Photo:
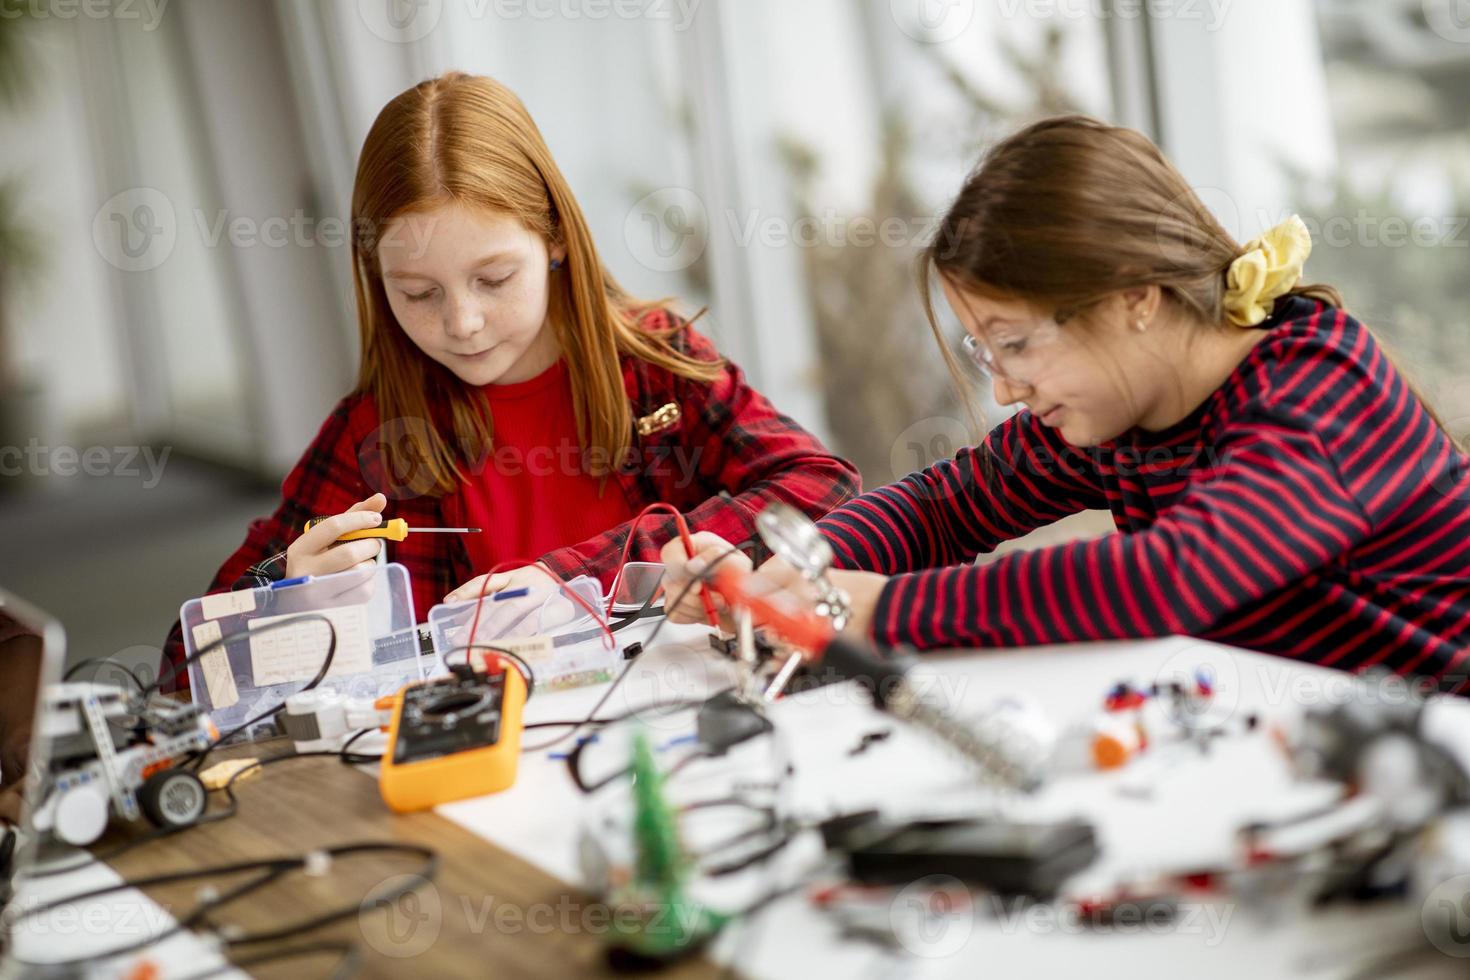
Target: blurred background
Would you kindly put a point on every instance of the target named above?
(175, 311)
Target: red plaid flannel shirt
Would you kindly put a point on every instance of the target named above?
(728, 455)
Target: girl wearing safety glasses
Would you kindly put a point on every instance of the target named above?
(1276, 482)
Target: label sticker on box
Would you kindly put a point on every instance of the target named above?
(227, 603)
(219, 679)
(296, 653)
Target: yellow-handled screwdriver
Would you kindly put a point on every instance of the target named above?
(395, 530)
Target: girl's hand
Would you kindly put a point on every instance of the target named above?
(862, 588)
(680, 569)
(315, 552)
(527, 576)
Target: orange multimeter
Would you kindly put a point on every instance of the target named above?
(453, 738)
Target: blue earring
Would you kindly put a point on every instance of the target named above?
(555, 264)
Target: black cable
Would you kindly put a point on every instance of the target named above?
(202, 754)
(671, 706)
(360, 758)
(271, 869)
(210, 647)
(617, 681)
(137, 681)
(231, 808)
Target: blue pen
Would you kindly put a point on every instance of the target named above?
(288, 582)
(509, 594)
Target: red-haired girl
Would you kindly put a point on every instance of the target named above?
(509, 383)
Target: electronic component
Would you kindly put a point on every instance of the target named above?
(1021, 859)
(1009, 744)
(118, 754)
(453, 738)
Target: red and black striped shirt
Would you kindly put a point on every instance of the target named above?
(1311, 507)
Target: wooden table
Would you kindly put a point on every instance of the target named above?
(487, 914)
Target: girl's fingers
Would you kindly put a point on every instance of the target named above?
(349, 554)
(374, 503)
(322, 536)
(471, 589)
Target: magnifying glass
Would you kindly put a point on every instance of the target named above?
(794, 537)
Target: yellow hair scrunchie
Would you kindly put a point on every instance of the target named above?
(1270, 268)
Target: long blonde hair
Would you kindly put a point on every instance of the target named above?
(466, 139)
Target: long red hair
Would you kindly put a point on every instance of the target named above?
(467, 140)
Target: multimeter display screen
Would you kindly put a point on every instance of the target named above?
(447, 717)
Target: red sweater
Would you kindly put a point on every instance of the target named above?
(533, 494)
(720, 459)
(1310, 508)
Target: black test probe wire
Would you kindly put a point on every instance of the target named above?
(350, 956)
(343, 754)
(270, 870)
(572, 727)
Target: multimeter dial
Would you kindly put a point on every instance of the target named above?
(448, 717)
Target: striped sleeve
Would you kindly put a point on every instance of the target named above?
(1273, 510)
(1022, 477)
